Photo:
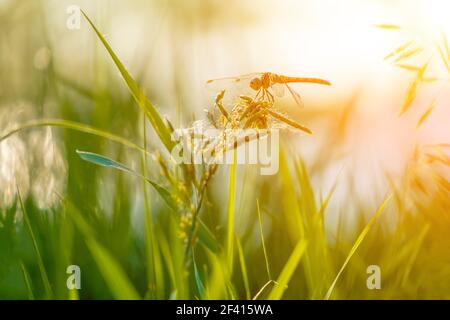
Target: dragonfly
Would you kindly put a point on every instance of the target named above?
(268, 85)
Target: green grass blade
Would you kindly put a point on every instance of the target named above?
(66, 124)
(217, 284)
(206, 236)
(198, 279)
(137, 93)
(288, 270)
(150, 248)
(103, 161)
(43, 272)
(115, 277)
(262, 240)
(243, 269)
(113, 273)
(357, 243)
(107, 162)
(230, 212)
(26, 277)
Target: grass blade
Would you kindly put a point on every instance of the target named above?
(288, 271)
(26, 277)
(408, 67)
(113, 273)
(263, 288)
(198, 279)
(206, 236)
(150, 111)
(115, 277)
(262, 240)
(243, 269)
(66, 124)
(412, 91)
(150, 247)
(43, 272)
(399, 50)
(388, 26)
(230, 211)
(107, 162)
(407, 54)
(444, 52)
(410, 96)
(426, 114)
(357, 243)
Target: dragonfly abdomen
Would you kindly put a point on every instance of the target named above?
(285, 79)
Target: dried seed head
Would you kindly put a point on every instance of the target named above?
(246, 98)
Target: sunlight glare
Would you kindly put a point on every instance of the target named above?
(437, 13)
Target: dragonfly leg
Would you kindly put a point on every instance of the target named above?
(258, 93)
(264, 96)
(270, 96)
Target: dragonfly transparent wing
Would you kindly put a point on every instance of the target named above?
(278, 89)
(295, 95)
(233, 86)
(234, 79)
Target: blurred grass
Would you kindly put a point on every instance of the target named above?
(127, 241)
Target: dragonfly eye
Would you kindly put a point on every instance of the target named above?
(255, 84)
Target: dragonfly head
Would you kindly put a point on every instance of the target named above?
(255, 84)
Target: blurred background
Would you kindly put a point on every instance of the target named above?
(362, 149)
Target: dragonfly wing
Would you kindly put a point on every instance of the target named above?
(278, 89)
(295, 95)
(236, 78)
(233, 86)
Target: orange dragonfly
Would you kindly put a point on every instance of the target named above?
(268, 84)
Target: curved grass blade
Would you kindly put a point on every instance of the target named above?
(263, 288)
(150, 111)
(357, 243)
(66, 124)
(107, 162)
